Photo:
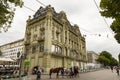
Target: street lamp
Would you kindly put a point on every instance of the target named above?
(20, 57)
(20, 63)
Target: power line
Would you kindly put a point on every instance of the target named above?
(81, 28)
(44, 5)
(85, 30)
(96, 5)
(32, 9)
(90, 33)
(41, 3)
(103, 17)
(29, 8)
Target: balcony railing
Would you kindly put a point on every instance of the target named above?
(57, 31)
(42, 28)
(41, 38)
(28, 33)
(27, 42)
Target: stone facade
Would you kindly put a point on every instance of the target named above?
(92, 60)
(51, 41)
(92, 56)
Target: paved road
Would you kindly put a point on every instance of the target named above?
(105, 74)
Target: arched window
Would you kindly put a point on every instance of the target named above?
(59, 50)
(56, 49)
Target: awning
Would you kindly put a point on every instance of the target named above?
(6, 60)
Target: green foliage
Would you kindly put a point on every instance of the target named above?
(110, 9)
(106, 54)
(113, 62)
(117, 36)
(103, 60)
(107, 59)
(7, 9)
(119, 57)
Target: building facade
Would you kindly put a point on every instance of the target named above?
(92, 60)
(10, 50)
(92, 57)
(51, 41)
(10, 53)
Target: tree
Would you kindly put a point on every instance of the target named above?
(113, 62)
(119, 57)
(103, 60)
(106, 54)
(110, 9)
(7, 10)
(107, 59)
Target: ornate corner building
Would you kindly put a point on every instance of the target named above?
(51, 41)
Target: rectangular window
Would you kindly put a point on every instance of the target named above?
(41, 46)
(56, 48)
(27, 50)
(35, 28)
(35, 37)
(52, 34)
(34, 49)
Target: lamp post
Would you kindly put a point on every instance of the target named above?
(21, 58)
(20, 63)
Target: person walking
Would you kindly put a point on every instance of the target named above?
(117, 70)
(62, 72)
(111, 67)
(38, 75)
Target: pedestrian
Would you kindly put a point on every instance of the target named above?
(117, 70)
(38, 75)
(62, 72)
(111, 67)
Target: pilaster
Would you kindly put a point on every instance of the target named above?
(47, 62)
(48, 30)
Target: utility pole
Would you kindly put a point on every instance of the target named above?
(20, 58)
(20, 63)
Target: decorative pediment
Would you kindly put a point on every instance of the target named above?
(40, 12)
(63, 15)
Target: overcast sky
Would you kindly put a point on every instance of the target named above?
(84, 13)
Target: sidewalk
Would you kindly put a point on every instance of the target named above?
(104, 74)
(43, 77)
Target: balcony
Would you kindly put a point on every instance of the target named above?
(57, 31)
(28, 33)
(27, 42)
(57, 54)
(42, 28)
(41, 38)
